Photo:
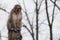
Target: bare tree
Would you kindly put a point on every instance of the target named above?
(37, 14)
(37, 9)
(50, 24)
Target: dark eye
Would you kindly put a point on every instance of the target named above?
(19, 8)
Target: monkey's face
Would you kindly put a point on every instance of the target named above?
(17, 9)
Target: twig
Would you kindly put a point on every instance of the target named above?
(40, 4)
(27, 17)
(34, 1)
(55, 4)
(27, 29)
(4, 10)
(53, 12)
(28, 20)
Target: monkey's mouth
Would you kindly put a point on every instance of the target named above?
(19, 10)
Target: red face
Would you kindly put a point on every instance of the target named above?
(18, 10)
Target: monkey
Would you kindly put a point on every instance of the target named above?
(15, 18)
(14, 22)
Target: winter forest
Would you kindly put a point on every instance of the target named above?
(40, 19)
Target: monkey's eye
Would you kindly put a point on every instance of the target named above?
(19, 8)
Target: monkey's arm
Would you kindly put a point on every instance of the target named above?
(19, 23)
(8, 25)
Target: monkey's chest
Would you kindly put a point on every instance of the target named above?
(16, 18)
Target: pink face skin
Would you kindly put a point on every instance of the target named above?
(19, 10)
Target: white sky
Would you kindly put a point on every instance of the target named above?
(43, 29)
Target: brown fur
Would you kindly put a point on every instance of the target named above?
(14, 19)
(14, 22)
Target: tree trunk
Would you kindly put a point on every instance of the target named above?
(51, 35)
(37, 22)
(14, 35)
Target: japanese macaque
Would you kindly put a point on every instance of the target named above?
(14, 23)
(15, 18)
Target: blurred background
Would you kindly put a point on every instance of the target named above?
(41, 19)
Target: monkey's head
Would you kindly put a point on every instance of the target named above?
(17, 9)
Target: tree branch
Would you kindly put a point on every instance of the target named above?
(40, 5)
(53, 12)
(55, 4)
(4, 10)
(34, 1)
(37, 19)
(47, 12)
(28, 20)
(27, 16)
(27, 29)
